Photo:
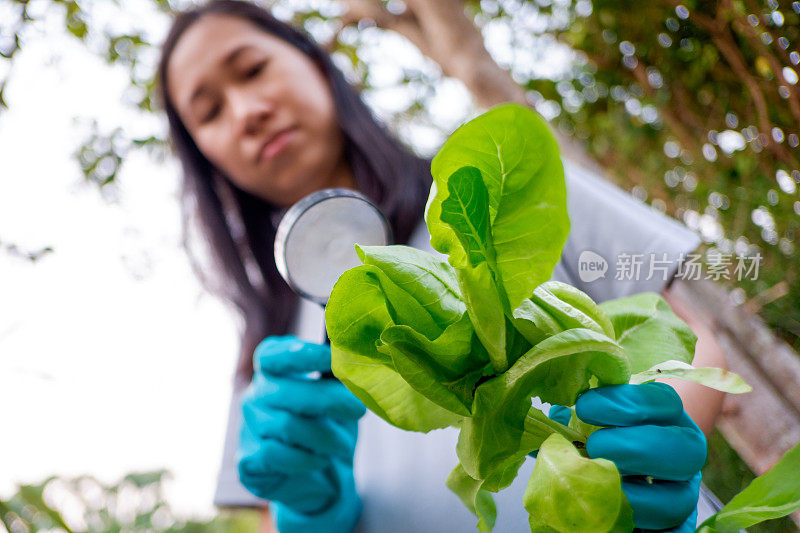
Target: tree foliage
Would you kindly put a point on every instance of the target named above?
(693, 106)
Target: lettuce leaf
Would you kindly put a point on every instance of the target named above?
(556, 306)
(715, 378)
(649, 331)
(384, 392)
(557, 370)
(492, 177)
(365, 303)
(474, 497)
(569, 493)
(518, 159)
(428, 279)
(445, 370)
(771, 495)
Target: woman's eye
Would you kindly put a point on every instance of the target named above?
(211, 114)
(255, 70)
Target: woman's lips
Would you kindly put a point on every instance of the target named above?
(277, 144)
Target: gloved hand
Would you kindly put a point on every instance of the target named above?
(648, 436)
(298, 437)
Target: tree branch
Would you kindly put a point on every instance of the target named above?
(759, 44)
(720, 34)
(443, 32)
(743, 28)
(405, 24)
(673, 122)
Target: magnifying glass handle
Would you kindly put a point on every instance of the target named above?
(328, 374)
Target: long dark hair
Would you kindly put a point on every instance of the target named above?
(239, 228)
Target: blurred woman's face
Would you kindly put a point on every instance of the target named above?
(258, 108)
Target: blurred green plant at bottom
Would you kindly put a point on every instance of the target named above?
(137, 503)
(84, 504)
(726, 475)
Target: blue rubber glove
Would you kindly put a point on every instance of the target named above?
(298, 437)
(648, 435)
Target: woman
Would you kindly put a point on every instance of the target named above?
(260, 117)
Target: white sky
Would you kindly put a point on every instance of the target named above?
(100, 373)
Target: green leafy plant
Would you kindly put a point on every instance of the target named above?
(772, 495)
(468, 342)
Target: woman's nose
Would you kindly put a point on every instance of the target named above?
(250, 112)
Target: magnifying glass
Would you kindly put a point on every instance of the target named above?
(316, 238)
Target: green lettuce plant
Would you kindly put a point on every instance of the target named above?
(468, 342)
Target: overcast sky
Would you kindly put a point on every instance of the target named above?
(111, 360)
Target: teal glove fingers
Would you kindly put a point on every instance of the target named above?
(273, 470)
(298, 438)
(560, 414)
(305, 397)
(664, 452)
(267, 455)
(341, 517)
(662, 504)
(320, 436)
(630, 405)
(688, 526)
(279, 356)
(648, 436)
(660, 439)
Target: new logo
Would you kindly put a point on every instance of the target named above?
(591, 266)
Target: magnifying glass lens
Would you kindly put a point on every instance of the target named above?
(321, 246)
(315, 241)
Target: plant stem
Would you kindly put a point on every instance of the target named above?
(537, 423)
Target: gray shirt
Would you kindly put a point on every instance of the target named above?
(400, 475)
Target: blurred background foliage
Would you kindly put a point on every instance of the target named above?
(84, 504)
(726, 475)
(693, 106)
